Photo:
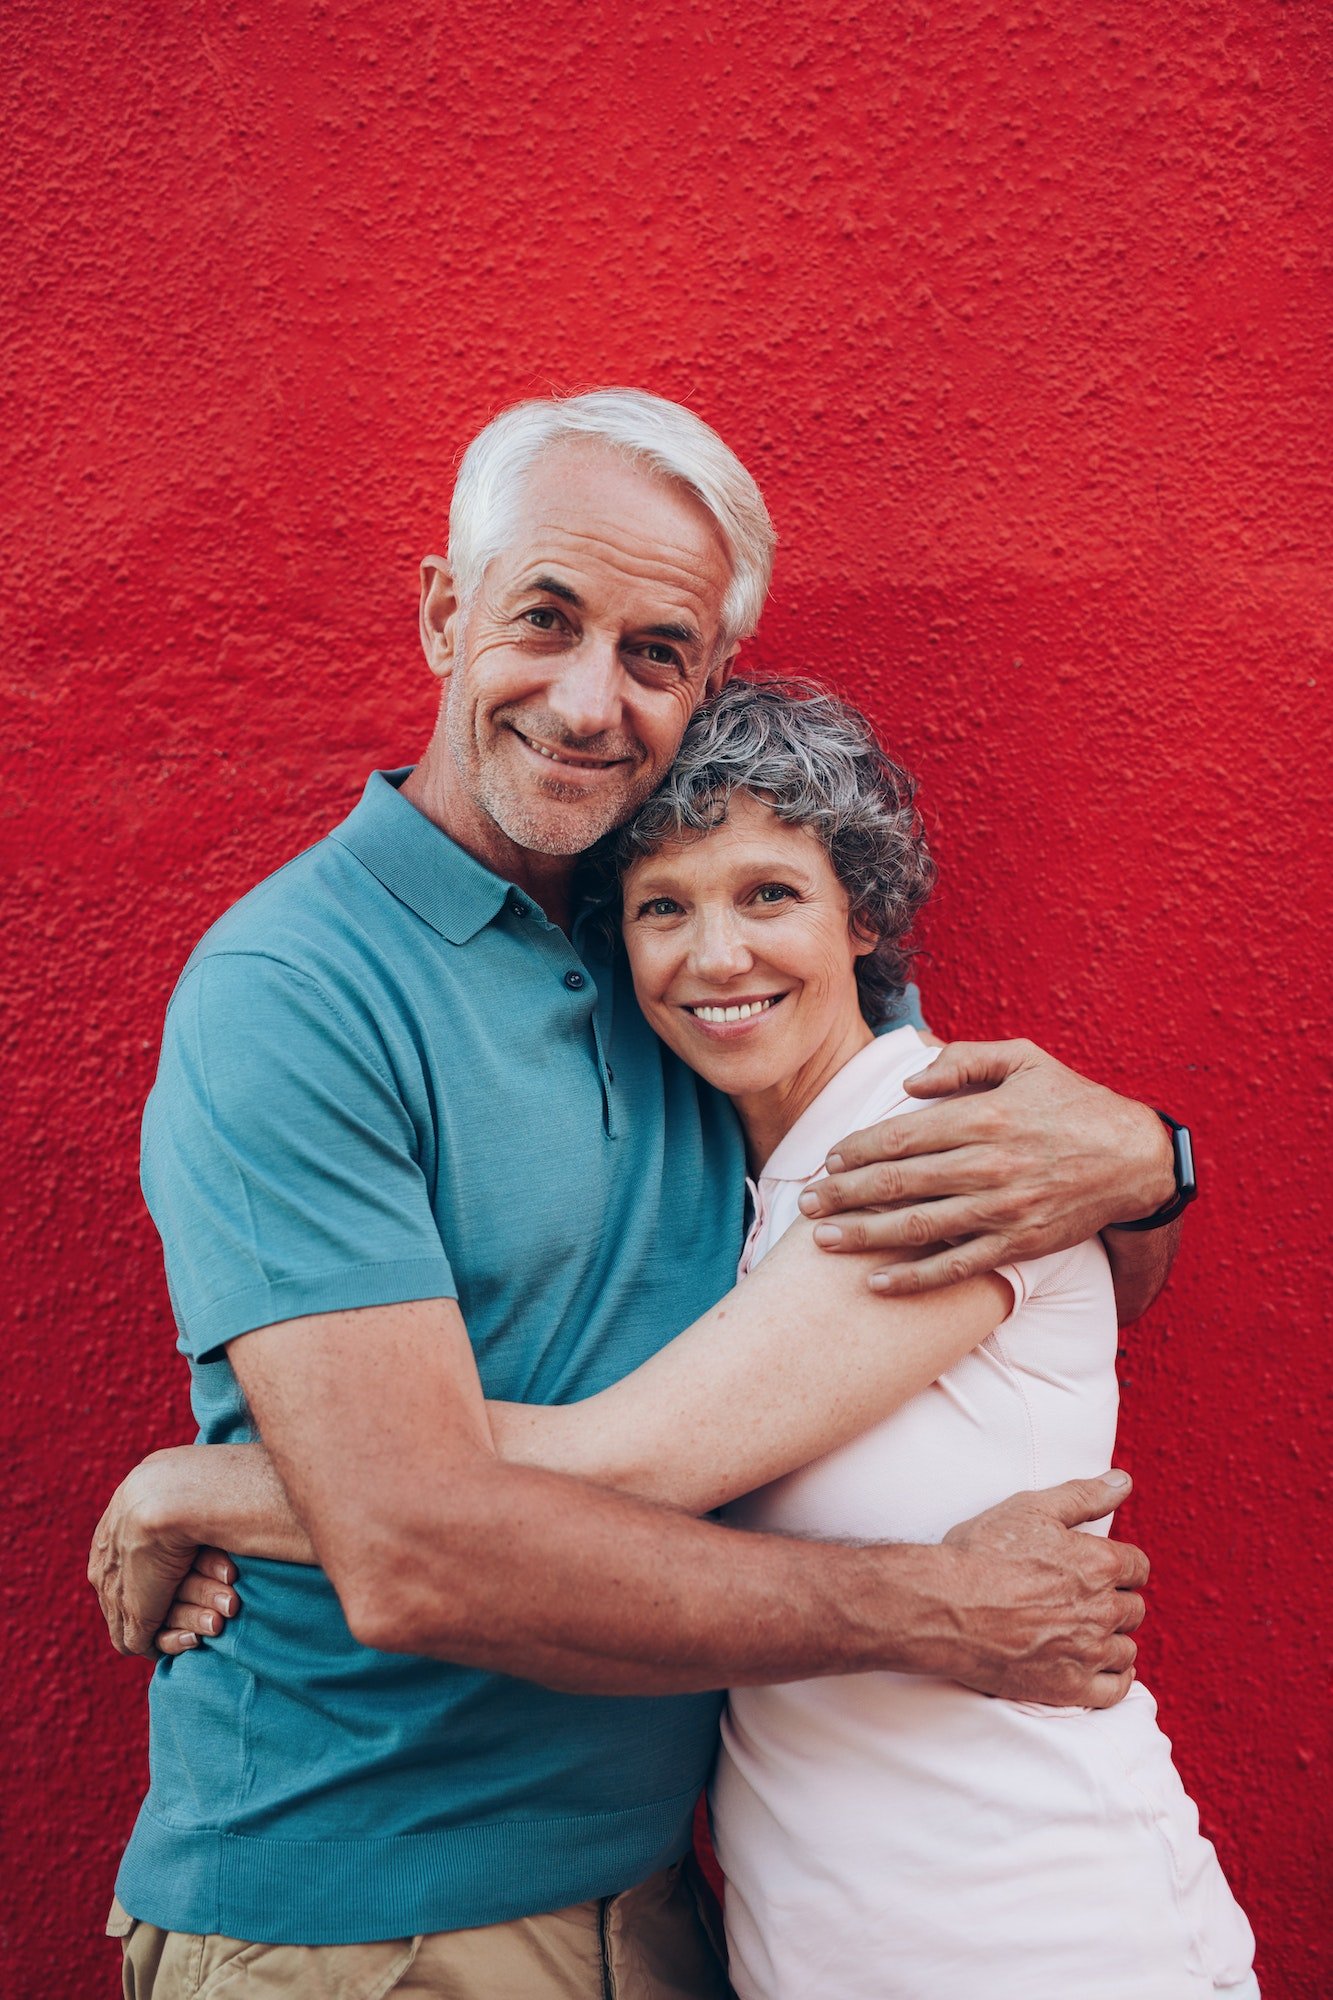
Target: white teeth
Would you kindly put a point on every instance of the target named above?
(555, 758)
(720, 1014)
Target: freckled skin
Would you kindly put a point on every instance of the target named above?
(749, 912)
(608, 682)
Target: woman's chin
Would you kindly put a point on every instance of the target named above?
(729, 1067)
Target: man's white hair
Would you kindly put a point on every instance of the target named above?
(664, 437)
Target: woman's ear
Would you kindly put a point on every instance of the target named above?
(863, 941)
(439, 616)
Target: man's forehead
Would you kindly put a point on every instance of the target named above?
(585, 520)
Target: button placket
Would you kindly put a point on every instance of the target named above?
(575, 980)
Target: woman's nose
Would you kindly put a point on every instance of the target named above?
(719, 948)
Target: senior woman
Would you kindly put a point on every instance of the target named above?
(881, 1834)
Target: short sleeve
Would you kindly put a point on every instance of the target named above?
(279, 1159)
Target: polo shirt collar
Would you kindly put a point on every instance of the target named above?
(447, 887)
(838, 1109)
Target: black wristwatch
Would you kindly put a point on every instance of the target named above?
(1186, 1185)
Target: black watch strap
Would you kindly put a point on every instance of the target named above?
(1186, 1185)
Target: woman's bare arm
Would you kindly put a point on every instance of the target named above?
(742, 1397)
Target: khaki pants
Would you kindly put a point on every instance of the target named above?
(660, 1941)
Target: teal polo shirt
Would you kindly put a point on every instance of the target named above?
(385, 1076)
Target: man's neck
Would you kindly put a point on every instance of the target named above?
(434, 789)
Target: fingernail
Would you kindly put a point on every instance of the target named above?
(809, 1202)
(187, 1639)
(833, 1164)
(223, 1601)
(1116, 1479)
(209, 1619)
(881, 1282)
(828, 1233)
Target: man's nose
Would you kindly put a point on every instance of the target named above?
(587, 692)
(719, 950)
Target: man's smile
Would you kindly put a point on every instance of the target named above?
(568, 760)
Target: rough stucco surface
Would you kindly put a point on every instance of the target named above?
(1022, 315)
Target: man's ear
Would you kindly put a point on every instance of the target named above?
(439, 616)
(721, 673)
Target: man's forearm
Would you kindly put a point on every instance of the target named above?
(531, 1573)
(1140, 1263)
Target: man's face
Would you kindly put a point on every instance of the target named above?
(587, 647)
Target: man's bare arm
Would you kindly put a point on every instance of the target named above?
(1023, 1158)
(1140, 1263)
(377, 1430)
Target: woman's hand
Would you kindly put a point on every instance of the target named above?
(158, 1561)
(204, 1601)
(142, 1551)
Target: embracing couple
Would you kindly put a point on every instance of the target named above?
(510, 1468)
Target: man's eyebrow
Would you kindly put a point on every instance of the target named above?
(554, 588)
(683, 635)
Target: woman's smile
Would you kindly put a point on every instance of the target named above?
(724, 1016)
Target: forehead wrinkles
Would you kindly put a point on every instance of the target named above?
(666, 562)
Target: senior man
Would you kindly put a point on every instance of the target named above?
(411, 1145)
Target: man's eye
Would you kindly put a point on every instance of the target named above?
(656, 655)
(542, 618)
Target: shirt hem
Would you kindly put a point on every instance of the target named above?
(367, 1891)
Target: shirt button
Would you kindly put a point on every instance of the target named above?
(517, 907)
(574, 980)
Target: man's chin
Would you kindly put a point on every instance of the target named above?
(559, 826)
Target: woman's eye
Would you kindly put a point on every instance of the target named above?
(658, 906)
(775, 892)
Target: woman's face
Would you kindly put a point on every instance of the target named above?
(742, 956)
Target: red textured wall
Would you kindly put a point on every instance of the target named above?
(1022, 316)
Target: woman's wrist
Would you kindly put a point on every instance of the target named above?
(197, 1493)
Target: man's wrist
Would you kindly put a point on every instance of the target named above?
(908, 1620)
(1155, 1182)
(1173, 1189)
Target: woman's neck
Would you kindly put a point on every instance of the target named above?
(767, 1116)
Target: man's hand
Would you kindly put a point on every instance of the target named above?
(138, 1556)
(1026, 1158)
(1041, 1613)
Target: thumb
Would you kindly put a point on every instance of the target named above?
(966, 1066)
(1080, 1500)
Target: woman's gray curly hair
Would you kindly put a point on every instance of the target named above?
(814, 760)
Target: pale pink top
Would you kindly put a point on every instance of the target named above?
(889, 1837)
